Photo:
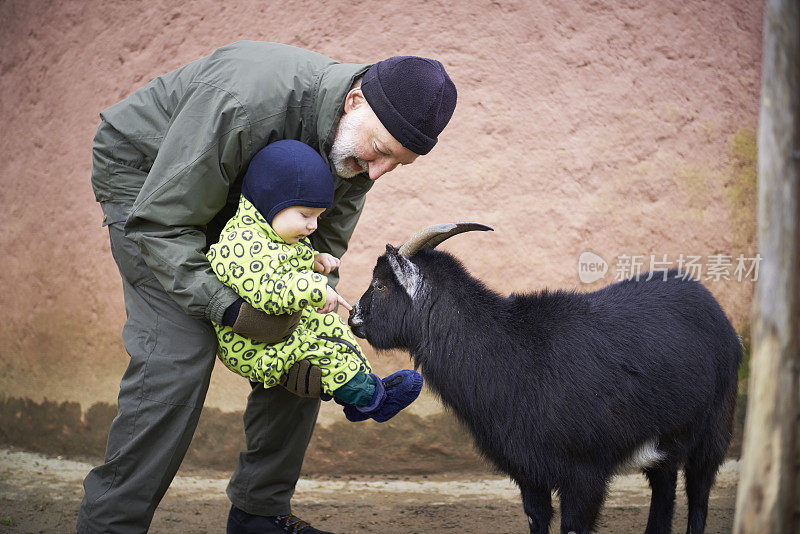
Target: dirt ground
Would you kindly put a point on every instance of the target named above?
(41, 495)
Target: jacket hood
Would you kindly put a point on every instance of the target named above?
(252, 219)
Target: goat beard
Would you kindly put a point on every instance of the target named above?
(345, 144)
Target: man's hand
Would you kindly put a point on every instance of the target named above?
(332, 299)
(263, 327)
(325, 263)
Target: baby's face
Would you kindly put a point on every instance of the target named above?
(296, 222)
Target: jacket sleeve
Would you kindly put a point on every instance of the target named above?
(200, 156)
(269, 282)
(293, 291)
(336, 226)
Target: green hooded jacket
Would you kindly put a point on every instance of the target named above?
(278, 277)
(196, 129)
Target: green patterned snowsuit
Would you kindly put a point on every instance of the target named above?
(277, 277)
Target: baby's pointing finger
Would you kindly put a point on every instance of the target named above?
(345, 303)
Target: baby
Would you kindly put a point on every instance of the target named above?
(264, 255)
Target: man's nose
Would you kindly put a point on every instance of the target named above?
(379, 167)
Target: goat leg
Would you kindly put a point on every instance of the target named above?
(538, 507)
(581, 503)
(662, 503)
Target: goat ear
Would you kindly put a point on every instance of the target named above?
(405, 271)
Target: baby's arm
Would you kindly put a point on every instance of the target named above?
(268, 280)
(290, 291)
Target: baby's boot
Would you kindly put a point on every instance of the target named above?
(392, 394)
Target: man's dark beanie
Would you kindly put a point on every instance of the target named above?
(287, 173)
(413, 97)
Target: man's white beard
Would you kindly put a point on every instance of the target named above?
(345, 143)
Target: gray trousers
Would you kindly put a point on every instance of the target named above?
(160, 398)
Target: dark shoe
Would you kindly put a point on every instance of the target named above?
(240, 522)
(392, 394)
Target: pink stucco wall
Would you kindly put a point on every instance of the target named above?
(621, 128)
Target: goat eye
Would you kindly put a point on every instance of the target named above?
(380, 287)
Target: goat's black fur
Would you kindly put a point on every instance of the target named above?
(560, 388)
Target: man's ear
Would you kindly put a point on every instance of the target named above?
(354, 99)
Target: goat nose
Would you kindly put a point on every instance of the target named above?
(355, 316)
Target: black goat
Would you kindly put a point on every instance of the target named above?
(561, 389)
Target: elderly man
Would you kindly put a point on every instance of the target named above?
(167, 164)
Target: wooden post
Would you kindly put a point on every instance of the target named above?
(768, 498)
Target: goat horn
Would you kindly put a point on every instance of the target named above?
(432, 236)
